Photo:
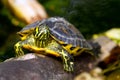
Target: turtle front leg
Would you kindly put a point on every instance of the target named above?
(18, 49)
(68, 63)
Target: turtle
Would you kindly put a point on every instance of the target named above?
(53, 36)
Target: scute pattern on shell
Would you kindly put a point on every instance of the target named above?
(62, 30)
(66, 32)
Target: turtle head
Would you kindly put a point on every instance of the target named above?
(41, 32)
(24, 34)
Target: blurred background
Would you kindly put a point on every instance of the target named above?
(89, 16)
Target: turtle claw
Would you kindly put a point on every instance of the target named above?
(70, 67)
(19, 53)
(67, 61)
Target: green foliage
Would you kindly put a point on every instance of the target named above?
(56, 7)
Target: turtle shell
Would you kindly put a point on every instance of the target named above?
(64, 31)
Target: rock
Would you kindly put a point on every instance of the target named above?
(34, 67)
(28, 11)
(95, 74)
(107, 45)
